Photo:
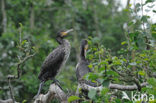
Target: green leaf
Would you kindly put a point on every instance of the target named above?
(103, 62)
(92, 76)
(123, 43)
(104, 91)
(137, 5)
(154, 11)
(90, 66)
(117, 100)
(141, 73)
(130, 23)
(92, 93)
(131, 35)
(102, 69)
(21, 25)
(151, 6)
(152, 81)
(127, 10)
(73, 98)
(85, 102)
(24, 101)
(112, 73)
(149, 1)
(144, 18)
(23, 42)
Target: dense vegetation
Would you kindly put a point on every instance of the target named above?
(122, 46)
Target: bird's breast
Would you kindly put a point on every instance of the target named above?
(67, 48)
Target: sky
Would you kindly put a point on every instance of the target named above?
(146, 10)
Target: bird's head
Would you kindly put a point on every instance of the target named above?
(83, 49)
(84, 45)
(63, 33)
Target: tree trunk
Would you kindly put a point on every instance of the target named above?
(32, 17)
(4, 16)
(128, 2)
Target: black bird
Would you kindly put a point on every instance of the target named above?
(82, 66)
(55, 60)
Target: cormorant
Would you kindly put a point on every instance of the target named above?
(82, 66)
(55, 60)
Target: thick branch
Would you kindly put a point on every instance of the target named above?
(54, 92)
(6, 101)
(126, 87)
(88, 87)
(112, 86)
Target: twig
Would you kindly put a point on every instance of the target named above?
(11, 91)
(131, 79)
(10, 77)
(121, 74)
(18, 67)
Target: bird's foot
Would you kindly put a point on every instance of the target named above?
(57, 83)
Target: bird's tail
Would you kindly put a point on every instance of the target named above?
(39, 90)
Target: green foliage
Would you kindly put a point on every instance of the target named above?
(73, 98)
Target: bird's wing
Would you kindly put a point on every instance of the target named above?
(81, 70)
(54, 59)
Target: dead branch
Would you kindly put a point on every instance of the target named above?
(6, 101)
(88, 87)
(11, 91)
(111, 86)
(54, 92)
(126, 87)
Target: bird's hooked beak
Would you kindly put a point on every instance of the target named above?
(86, 47)
(66, 32)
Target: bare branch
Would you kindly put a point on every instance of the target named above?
(18, 67)
(54, 92)
(126, 87)
(6, 101)
(88, 87)
(11, 91)
(111, 86)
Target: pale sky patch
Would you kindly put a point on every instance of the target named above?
(146, 9)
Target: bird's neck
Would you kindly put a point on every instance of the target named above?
(59, 40)
(62, 41)
(82, 53)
